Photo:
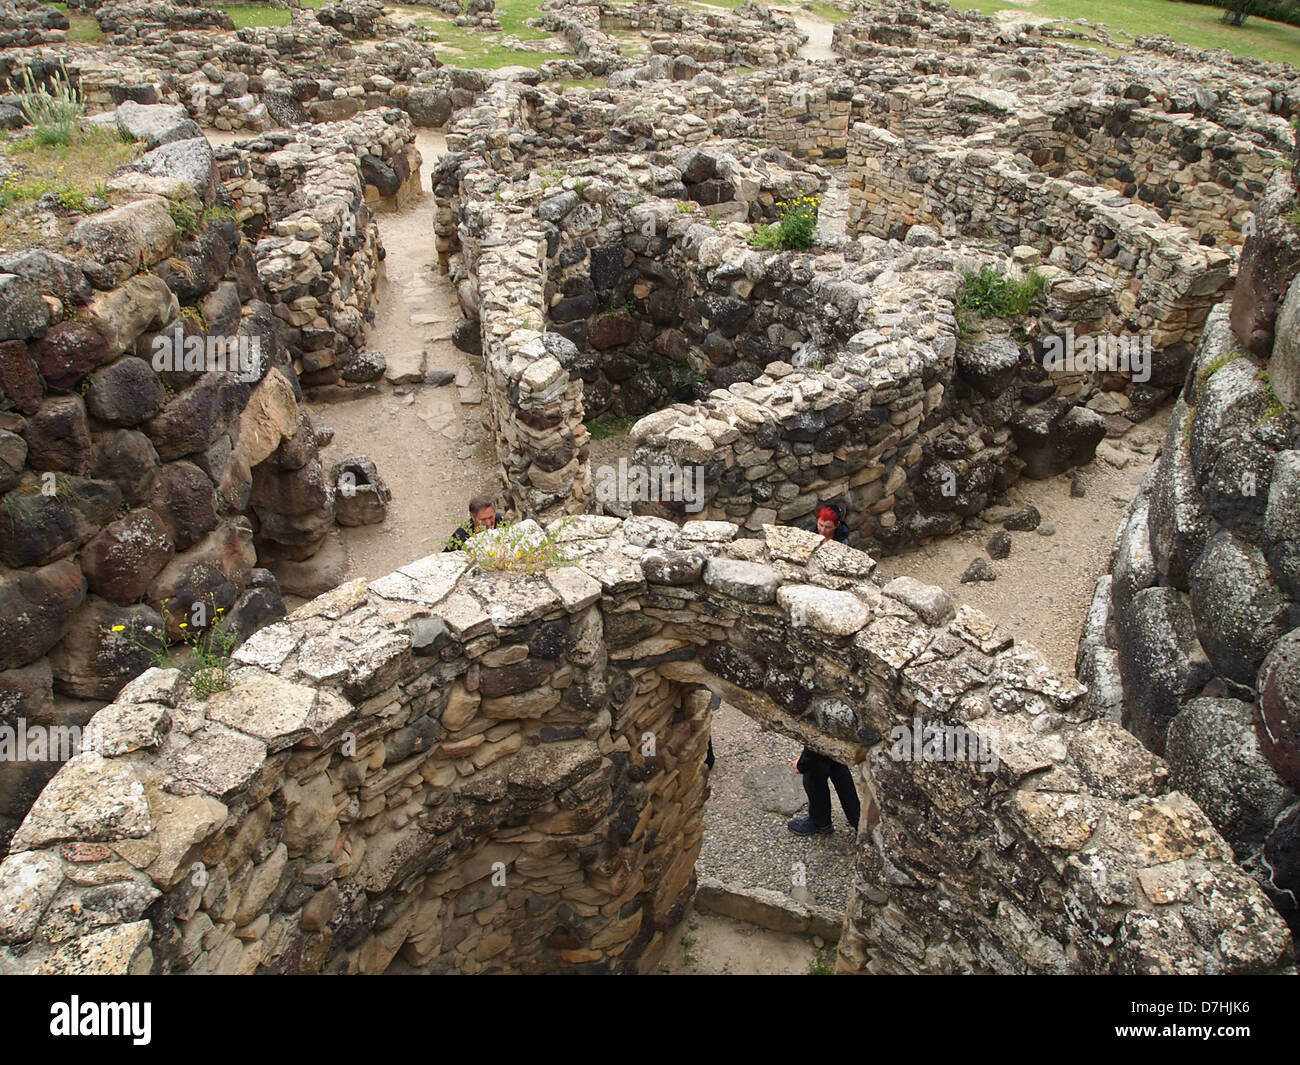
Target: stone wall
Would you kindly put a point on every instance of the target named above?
(308, 198)
(1190, 642)
(130, 19)
(134, 487)
(24, 25)
(483, 771)
(647, 303)
(810, 121)
(1190, 171)
(894, 26)
(749, 35)
(1164, 281)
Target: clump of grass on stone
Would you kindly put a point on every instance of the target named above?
(521, 547)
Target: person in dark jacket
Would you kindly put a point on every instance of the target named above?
(817, 771)
(831, 525)
(482, 515)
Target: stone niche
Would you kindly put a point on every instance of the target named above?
(474, 771)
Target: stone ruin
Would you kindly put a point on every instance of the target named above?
(391, 746)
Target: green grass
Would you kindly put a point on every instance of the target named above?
(480, 50)
(73, 171)
(245, 15)
(83, 28)
(1190, 24)
(1215, 365)
(608, 425)
(990, 295)
(582, 83)
(831, 13)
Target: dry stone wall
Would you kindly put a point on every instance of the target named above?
(156, 455)
(22, 25)
(485, 771)
(1164, 281)
(140, 476)
(1190, 641)
(309, 199)
(646, 303)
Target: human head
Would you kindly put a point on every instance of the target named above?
(483, 513)
(827, 520)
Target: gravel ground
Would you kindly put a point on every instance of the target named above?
(754, 792)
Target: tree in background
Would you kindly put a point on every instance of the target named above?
(1235, 15)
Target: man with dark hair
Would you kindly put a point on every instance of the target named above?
(482, 516)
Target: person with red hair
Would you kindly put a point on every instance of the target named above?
(830, 525)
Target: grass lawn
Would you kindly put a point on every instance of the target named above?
(1191, 24)
(259, 15)
(83, 28)
(469, 47)
(74, 171)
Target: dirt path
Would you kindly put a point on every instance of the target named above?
(820, 34)
(1044, 586)
(428, 442)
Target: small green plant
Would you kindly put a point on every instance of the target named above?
(87, 383)
(217, 212)
(1216, 364)
(124, 508)
(580, 187)
(990, 295)
(185, 217)
(80, 201)
(630, 305)
(685, 207)
(608, 425)
(207, 639)
(521, 547)
(54, 114)
(823, 964)
(793, 231)
(688, 950)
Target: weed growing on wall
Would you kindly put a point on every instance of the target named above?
(521, 547)
(793, 231)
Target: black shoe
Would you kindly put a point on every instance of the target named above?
(806, 826)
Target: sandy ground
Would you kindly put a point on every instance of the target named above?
(1044, 586)
(820, 33)
(708, 945)
(428, 443)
